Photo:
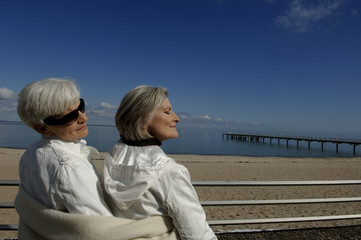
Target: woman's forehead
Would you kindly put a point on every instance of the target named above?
(166, 103)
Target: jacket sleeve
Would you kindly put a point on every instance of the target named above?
(182, 204)
(78, 187)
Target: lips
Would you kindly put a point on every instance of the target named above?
(82, 128)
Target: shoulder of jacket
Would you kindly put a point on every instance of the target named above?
(57, 153)
(175, 169)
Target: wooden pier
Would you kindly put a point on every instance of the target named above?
(261, 137)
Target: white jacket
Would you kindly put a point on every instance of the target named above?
(143, 181)
(61, 175)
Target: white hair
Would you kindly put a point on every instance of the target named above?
(46, 98)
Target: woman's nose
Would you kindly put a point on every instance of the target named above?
(82, 117)
(176, 118)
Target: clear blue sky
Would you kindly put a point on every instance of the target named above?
(248, 65)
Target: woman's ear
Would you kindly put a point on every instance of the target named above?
(145, 128)
(42, 129)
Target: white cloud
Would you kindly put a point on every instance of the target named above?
(207, 120)
(101, 113)
(302, 16)
(202, 117)
(7, 94)
(8, 110)
(219, 120)
(251, 123)
(107, 105)
(8, 105)
(104, 109)
(353, 11)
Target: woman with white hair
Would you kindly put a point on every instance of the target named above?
(58, 177)
(58, 170)
(140, 179)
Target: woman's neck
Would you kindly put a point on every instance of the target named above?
(143, 142)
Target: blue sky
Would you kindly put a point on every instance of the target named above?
(248, 65)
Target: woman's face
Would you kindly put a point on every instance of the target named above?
(163, 124)
(72, 132)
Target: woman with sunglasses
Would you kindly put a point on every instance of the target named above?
(58, 177)
(57, 171)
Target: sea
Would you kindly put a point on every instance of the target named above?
(201, 141)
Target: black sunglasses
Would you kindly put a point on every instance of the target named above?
(68, 119)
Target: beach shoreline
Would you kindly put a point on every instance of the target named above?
(240, 168)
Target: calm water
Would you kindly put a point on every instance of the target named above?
(190, 141)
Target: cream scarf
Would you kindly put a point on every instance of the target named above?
(40, 222)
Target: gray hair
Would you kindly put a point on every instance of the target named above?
(137, 109)
(49, 97)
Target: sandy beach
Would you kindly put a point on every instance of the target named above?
(238, 168)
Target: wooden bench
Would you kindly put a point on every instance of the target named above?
(356, 215)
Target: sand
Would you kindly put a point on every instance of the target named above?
(238, 168)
